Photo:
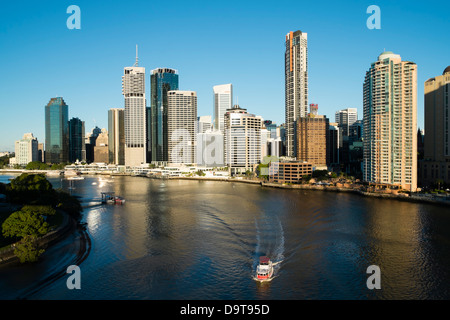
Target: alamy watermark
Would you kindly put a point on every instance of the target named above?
(374, 281)
(374, 21)
(74, 281)
(74, 20)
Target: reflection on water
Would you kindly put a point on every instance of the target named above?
(182, 239)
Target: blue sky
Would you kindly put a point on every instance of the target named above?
(209, 43)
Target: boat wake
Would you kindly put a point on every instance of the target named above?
(269, 242)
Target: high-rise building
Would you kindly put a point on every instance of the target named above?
(101, 153)
(26, 149)
(345, 119)
(390, 122)
(162, 81)
(333, 147)
(77, 147)
(116, 136)
(204, 123)
(311, 140)
(272, 127)
(56, 131)
(436, 155)
(133, 89)
(242, 139)
(181, 126)
(90, 141)
(265, 140)
(223, 100)
(148, 120)
(41, 152)
(296, 84)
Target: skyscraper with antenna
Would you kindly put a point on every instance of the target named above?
(133, 90)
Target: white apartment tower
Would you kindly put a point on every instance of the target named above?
(26, 149)
(181, 126)
(296, 84)
(133, 89)
(390, 122)
(223, 100)
(242, 139)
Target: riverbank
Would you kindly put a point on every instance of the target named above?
(422, 198)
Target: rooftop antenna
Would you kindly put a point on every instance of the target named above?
(136, 63)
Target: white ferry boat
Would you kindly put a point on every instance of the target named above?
(264, 271)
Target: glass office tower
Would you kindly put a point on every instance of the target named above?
(162, 81)
(77, 149)
(56, 131)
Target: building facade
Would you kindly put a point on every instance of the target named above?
(204, 123)
(435, 167)
(162, 80)
(116, 136)
(77, 146)
(26, 149)
(296, 84)
(56, 131)
(101, 153)
(390, 122)
(289, 171)
(181, 126)
(311, 140)
(223, 100)
(133, 90)
(345, 119)
(242, 140)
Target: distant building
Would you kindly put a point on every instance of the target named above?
(345, 119)
(272, 127)
(223, 100)
(116, 136)
(101, 147)
(181, 126)
(41, 152)
(265, 138)
(204, 123)
(289, 172)
(242, 140)
(56, 131)
(333, 147)
(90, 141)
(435, 167)
(313, 109)
(77, 146)
(275, 147)
(390, 122)
(26, 149)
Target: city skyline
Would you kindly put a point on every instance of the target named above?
(80, 51)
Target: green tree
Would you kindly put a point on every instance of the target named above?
(30, 189)
(200, 173)
(27, 250)
(27, 224)
(24, 223)
(37, 165)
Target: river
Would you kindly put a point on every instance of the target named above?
(181, 239)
